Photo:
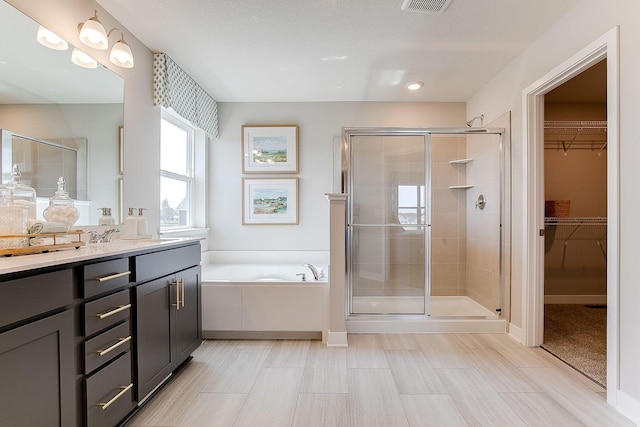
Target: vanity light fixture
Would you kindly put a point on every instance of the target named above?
(93, 34)
(120, 54)
(80, 58)
(414, 85)
(51, 40)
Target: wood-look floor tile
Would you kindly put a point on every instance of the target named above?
(165, 408)
(373, 400)
(539, 409)
(412, 374)
(577, 397)
(365, 351)
(325, 370)
(398, 342)
(239, 371)
(213, 352)
(212, 410)
(434, 410)
(499, 372)
(288, 354)
(272, 401)
(322, 410)
(478, 403)
(525, 357)
(443, 350)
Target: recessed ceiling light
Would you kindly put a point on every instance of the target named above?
(414, 85)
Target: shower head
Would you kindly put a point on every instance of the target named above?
(470, 122)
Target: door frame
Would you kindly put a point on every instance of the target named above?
(605, 47)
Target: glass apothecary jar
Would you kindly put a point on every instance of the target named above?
(13, 221)
(22, 193)
(61, 208)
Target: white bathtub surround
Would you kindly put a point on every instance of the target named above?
(263, 300)
(266, 257)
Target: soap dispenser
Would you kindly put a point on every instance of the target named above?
(106, 218)
(142, 222)
(131, 224)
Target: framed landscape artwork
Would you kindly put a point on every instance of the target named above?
(270, 149)
(269, 201)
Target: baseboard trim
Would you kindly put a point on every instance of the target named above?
(261, 335)
(575, 299)
(337, 339)
(515, 332)
(628, 406)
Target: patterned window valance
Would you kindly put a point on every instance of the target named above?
(173, 87)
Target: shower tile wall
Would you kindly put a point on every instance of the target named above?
(448, 220)
(483, 226)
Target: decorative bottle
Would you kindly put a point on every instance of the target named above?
(22, 194)
(61, 208)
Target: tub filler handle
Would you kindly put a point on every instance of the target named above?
(302, 276)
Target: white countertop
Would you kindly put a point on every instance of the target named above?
(17, 263)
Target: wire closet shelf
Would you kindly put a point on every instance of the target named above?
(575, 135)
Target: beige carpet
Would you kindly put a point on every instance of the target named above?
(577, 335)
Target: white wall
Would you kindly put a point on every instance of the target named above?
(586, 22)
(319, 124)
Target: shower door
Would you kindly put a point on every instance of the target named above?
(388, 221)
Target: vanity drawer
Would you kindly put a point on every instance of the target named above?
(106, 311)
(158, 264)
(106, 346)
(105, 276)
(34, 295)
(110, 393)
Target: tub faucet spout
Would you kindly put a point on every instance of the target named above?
(314, 270)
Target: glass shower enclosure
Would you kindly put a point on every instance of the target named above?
(424, 221)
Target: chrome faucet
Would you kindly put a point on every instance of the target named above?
(314, 270)
(94, 237)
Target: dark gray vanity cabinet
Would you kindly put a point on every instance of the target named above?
(37, 371)
(168, 327)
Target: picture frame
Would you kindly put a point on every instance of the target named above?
(271, 201)
(269, 149)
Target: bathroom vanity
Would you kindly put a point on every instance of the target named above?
(87, 335)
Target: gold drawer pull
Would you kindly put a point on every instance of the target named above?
(125, 389)
(112, 276)
(114, 311)
(114, 346)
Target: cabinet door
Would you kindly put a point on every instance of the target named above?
(37, 370)
(154, 330)
(188, 329)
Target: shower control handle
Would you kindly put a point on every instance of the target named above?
(481, 202)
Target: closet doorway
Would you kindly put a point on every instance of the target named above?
(575, 190)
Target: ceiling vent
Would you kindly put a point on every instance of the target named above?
(425, 6)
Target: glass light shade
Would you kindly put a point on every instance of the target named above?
(80, 58)
(121, 55)
(93, 34)
(51, 40)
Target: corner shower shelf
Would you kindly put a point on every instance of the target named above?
(460, 187)
(460, 161)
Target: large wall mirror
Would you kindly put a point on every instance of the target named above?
(52, 102)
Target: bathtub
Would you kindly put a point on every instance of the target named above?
(263, 301)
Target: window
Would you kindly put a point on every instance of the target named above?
(177, 178)
(411, 205)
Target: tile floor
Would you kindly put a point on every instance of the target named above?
(379, 380)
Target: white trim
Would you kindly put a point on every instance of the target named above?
(337, 339)
(628, 406)
(532, 245)
(575, 299)
(515, 332)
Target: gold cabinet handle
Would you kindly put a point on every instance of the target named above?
(114, 346)
(182, 281)
(114, 311)
(177, 283)
(123, 390)
(112, 276)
